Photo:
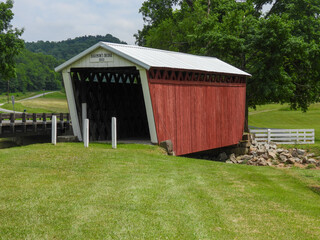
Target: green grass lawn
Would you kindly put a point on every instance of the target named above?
(280, 116)
(51, 103)
(137, 192)
(18, 95)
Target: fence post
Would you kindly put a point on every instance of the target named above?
(24, 122)
(54, 130)
(12, 121)
(84, 113)
(269, 137)
(114, 132)
(86, 133)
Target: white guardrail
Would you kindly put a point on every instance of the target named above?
(284, 136)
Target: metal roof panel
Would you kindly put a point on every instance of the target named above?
(150, 57)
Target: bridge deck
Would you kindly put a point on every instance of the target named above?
(26, 124)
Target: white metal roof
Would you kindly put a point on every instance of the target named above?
(149, 57)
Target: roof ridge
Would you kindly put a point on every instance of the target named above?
(152, 49)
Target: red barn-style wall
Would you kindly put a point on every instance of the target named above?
(197, 111)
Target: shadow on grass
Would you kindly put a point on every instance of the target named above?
(7, 143)
(315, 189)
(23, 141)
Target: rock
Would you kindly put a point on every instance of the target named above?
(294, 153)
(301, 152)
(273, 145)
(312, 161)
(272, 154)
(262, 162)
(288, 155)
(305, 159)
(269, 164)
(311, 155)
(254, 154)
(283, 157)
(222, 157)
(260, 152)
(297, 160)
(289, 161)
(279, 150)
(246, 157)
(168, 146)
(232, 158)
(252, 149)
(261, 148)
(230, 162)
(265, 156)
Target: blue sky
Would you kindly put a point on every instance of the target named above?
(56, 20)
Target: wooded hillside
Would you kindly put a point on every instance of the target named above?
(35, 65)
(67, 49)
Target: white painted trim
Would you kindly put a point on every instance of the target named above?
(72, 104)
(54, 130)
(148, 104)
(114, 132)
(86, 133)
(104, 46)
(84, 115)
(284, 136)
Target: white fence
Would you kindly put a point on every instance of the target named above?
(284, 136)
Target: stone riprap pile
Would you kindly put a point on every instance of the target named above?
(263, 154)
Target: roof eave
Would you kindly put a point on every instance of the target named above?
(96, 46)
(243, 73)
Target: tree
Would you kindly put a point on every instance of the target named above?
(10, 42)
(280, 48)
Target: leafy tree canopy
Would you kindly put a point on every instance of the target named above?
(280, 48)
(10, 42)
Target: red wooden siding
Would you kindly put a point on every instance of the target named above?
(197, 116)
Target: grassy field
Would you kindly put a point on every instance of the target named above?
(54, 102)
(18, 96)
(137, 192)
(280, 116)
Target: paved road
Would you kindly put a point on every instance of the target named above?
(36, 96)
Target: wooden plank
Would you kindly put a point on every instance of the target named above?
(24, 122)
(12, 120)
(282, 130)
(206, 116)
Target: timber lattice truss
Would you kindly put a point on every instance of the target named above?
(193, 76)
(111, 92)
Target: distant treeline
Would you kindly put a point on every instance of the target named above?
(67, 49)
(35, 65)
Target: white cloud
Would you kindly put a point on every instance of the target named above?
(60, 19)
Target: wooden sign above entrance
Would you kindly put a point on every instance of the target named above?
(101, 57)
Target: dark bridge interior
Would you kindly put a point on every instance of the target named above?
(111, 92)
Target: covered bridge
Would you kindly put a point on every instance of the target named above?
(196, 102)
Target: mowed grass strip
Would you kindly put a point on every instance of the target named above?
(280, 116)
(51, 103)
(137, 192)
(18, 95)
